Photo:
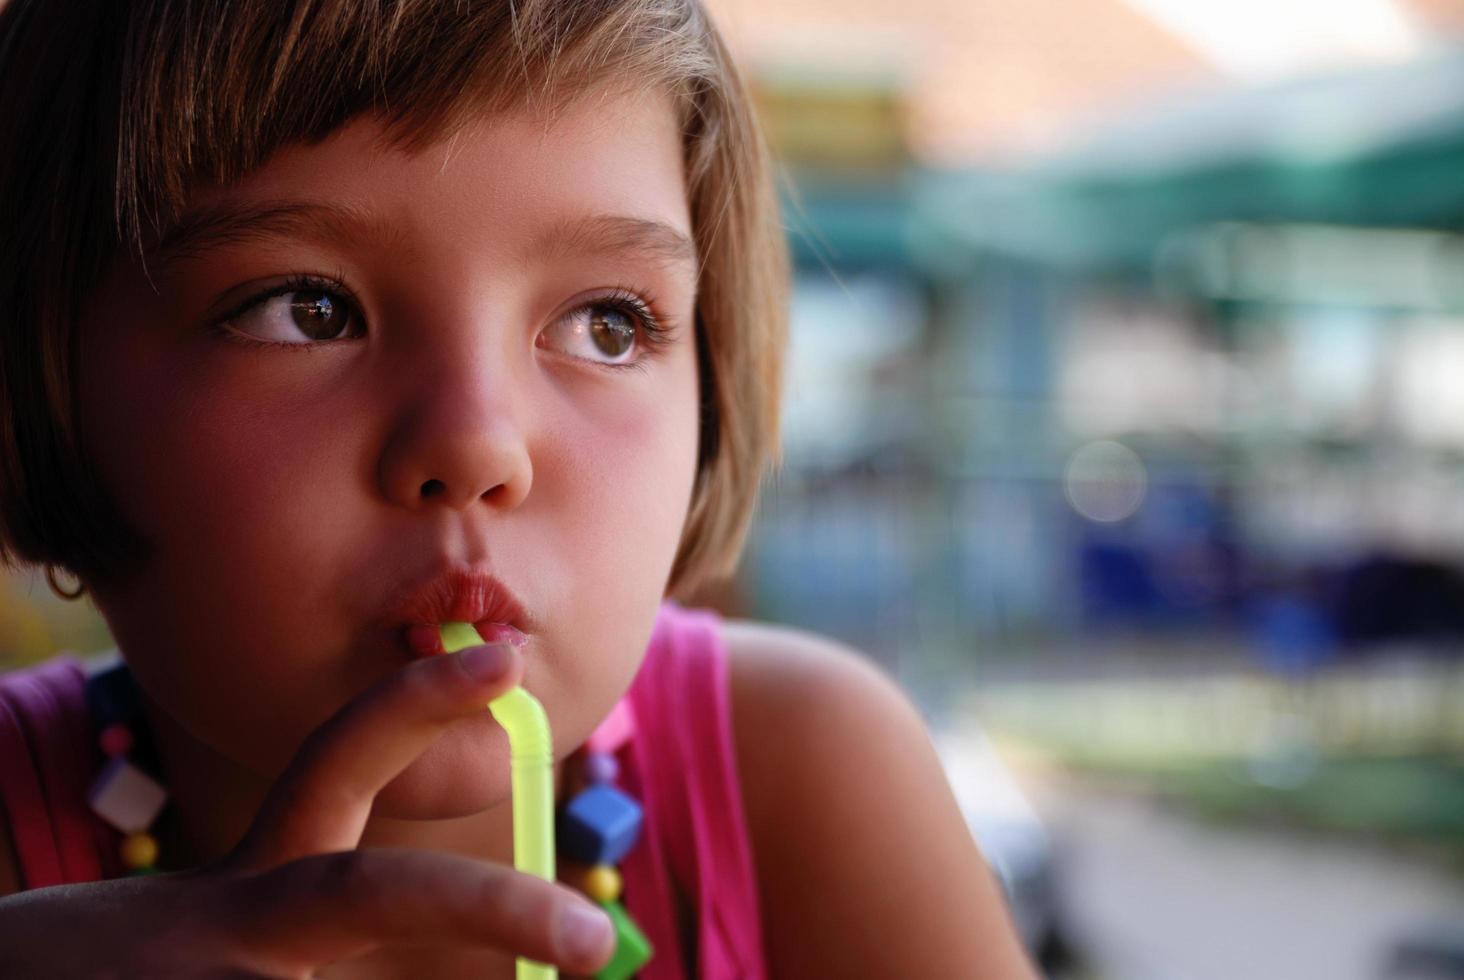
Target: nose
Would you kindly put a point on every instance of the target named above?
(459, 441)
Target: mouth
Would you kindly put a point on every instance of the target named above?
(459, 594)
(426, 641)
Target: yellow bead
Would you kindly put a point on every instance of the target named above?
(602, 883)
(139, 850)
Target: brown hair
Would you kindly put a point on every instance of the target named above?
(112, 111)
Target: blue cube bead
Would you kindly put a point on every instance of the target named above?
(599, 825)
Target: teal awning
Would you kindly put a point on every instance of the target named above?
(1377, 148)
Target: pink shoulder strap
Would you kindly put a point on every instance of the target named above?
(683, 768)
(45, 765)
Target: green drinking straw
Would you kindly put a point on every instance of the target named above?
(531, 755)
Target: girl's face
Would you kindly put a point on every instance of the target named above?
(423, 363)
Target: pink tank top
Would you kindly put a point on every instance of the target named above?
(693, 852)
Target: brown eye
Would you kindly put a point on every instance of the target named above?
(298, 313)
(317, 315)
(612, 330)
(604, 332)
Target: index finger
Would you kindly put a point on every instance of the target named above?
(329, 907)
(322, 800)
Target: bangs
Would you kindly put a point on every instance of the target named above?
(213, 90)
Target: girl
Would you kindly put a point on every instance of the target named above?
(330, 321)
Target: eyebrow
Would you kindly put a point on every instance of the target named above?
(233, 223)
(616, 233)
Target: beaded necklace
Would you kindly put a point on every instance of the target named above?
(596, 827)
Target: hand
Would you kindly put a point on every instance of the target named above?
(295, 894)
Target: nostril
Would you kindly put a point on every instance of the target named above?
(432, 488)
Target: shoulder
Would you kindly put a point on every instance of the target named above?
(842, 706)
(10, 863)
(774, 666)
(10, 882)
(865, 865)
(846, 712)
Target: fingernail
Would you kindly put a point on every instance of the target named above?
(485, 663)
(585, 933)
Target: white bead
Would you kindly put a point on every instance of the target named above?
(126, 797)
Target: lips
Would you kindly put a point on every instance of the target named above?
(460, 594)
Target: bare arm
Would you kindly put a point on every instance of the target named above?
(865, 863)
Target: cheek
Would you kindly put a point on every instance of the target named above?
(199, 462)
(233, 499)
(234, 495)
(182, 438)
(629, 470)
(617, 478)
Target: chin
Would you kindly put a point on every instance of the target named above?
(466, 771)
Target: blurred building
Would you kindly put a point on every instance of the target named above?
(1069, 361)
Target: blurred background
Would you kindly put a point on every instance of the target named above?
(1125, 427)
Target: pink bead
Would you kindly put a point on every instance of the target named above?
(601, 767)
(115, 740)
(615, 730)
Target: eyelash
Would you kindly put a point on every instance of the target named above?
(655, 335)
